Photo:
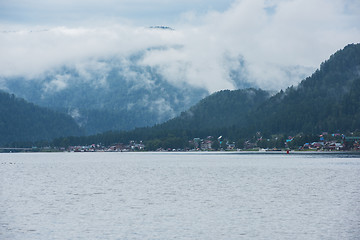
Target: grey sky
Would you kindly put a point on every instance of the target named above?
(280, 41)
(61, 12)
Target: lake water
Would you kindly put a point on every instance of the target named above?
(164, 196)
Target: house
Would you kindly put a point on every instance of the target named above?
(206, 145)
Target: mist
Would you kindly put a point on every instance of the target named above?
(259, 43)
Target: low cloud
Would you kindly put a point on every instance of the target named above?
(269, 44)
(60, 82)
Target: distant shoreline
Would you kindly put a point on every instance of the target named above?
(281, 152)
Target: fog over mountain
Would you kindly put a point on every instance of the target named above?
(279, 41)
(109, 94)
(104, 55)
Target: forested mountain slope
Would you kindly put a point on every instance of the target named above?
(22, 121)
(329, 100)
(219, 110)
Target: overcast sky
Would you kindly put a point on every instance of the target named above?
(279, 41)
(72, 12)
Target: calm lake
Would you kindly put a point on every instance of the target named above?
(164, 196)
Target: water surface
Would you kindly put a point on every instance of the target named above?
(179, 196)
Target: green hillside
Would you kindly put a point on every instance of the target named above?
(211, 116)
(329, 100)
(221, 109)
(121, 98)
(21, 121)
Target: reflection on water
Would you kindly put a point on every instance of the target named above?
(179, 196)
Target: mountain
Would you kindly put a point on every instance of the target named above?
(121, 91)
(221, 109)
(107, 94)
(210, 116)
(328, 100)
(21, 121)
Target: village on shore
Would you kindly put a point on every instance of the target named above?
(326, 142)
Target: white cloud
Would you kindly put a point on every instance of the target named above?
(59, 83)
(32, 52)
(280, 42)
(297, 33)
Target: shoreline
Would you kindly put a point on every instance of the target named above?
(241, 152)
